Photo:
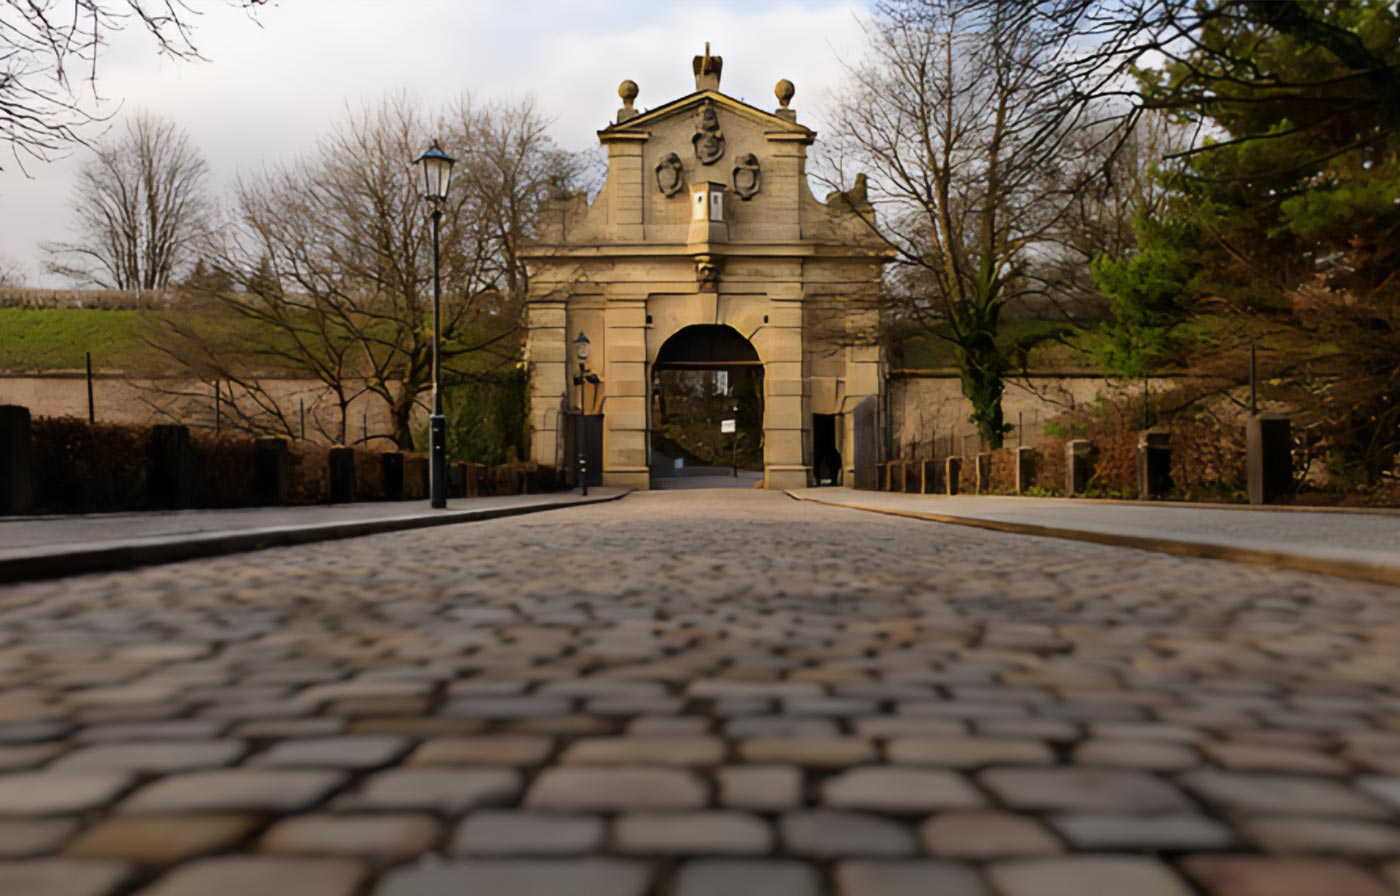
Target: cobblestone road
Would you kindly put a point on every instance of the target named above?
(706, 694)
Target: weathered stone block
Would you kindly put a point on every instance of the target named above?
(16, 460)
(1269, 457)
(391, 468)
(342, 469)
(1025, 468)
(1154, 464)
(170, 467)
(1079, 466)
(270, 481)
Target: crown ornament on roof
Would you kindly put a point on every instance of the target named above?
(707, 70)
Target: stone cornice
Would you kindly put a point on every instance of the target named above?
(802, 249)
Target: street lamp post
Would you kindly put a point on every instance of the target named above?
(581, 350)
(437, 169)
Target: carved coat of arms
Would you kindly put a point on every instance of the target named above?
(708, 139)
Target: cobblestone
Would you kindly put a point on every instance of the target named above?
(1325, 835)
(895, 789)
(447, 790)
(1077, 875)
(499, 832)
(22, 838)
(1280, 793)
(1084, 790)
(362, 751)
(62, 877)
(906, 878)
(829, 834)
(967, 752)
(516, 749)
(241, 875)
(1149, 833)
(234, 789)
(380, 838)
(604, 877)
(746, 878)
(607, 789)
(702, 833)
(1256, 876)
(154, 757)
(760, 787)
(680, 675)
(52, 792)
(163, 840)
(649, 749)
(987, 835)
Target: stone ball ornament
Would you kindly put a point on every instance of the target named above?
(628, 90)
(785, 91)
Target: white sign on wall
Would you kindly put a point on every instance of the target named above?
(726, 426)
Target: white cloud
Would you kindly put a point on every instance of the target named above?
(271, 86)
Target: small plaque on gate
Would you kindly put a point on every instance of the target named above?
(726, 426)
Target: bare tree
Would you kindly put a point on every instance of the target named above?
(140, 207)
(49, 48)
(332, 265)
(981, 134)
(11, 273)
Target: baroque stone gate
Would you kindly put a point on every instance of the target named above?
(706, 218)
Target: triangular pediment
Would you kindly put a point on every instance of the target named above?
(687, 104)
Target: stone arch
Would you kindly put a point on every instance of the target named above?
(701, 374)
(706, 345)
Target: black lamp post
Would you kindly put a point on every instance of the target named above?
(437, 169)
(581, 351)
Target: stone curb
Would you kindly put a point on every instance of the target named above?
(79, 560)
(1344, 569)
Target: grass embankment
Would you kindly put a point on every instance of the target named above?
(48, 339)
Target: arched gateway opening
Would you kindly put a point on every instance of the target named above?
(706, 410)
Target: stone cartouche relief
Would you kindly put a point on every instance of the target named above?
(670, 175)
(708, 139)
(748, 179)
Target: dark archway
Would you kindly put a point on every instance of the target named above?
(706, 346)
(703, 375)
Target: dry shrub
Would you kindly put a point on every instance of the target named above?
(415, 475)
(967, 475)
(1115, 463)
(82, 467)
(223, 468)
(1050, 466)
(309, 471)
(369, 475)
(1003, 471)
(1208, 461)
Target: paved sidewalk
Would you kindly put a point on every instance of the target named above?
(1354, 545)
(38, 546)
(700, 693)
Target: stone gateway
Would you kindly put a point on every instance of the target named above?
(678, 247)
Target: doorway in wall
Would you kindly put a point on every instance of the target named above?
(705, 375)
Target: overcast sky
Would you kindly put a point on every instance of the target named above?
(273, 83)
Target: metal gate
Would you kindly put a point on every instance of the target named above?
(591, 427)
(866, 447)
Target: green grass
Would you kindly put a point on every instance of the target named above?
(56, 338)
(51, 339)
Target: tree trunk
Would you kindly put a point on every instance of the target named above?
(401, 417)
(983, 376)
